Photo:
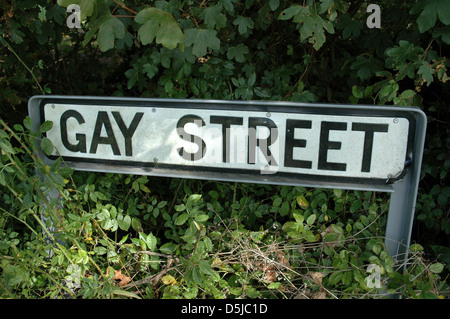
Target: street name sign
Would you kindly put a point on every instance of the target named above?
(313, 145)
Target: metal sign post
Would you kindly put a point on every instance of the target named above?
(373, 148)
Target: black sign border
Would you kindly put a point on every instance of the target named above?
(253, 106)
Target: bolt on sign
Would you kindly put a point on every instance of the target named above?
(314, 145)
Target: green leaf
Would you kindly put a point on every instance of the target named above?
(402, 53)
(110, 29)
(180, 220)
(46, 126)
(47, 146)
(274, 285)
(367, 67)
(285, 208)
(201, 40)
(335, 278)
(180, 208)
(160, 25)
(100, 250)
(194, 198)
(120, 292)
(347, 278)
(201, 218)
(443, 33)
(274, 4)
(123, 221)
(196, 275)
(7, 147)
(311, 219)
(426, 71)
(205, 268)
(237, 52)
(431, 9)
(309, 236)
(313, 25)
(356, 205)
(436, 268)
(151, 242)
(214, 18)
(244, 24)
(349, 26)
(168, 248)
(290, 12)
(27, 123)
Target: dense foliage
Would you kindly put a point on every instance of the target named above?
(111, 235)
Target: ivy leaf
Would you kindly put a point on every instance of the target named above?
(367, 67)
(201, 39)
(110, 29)
(349, 26)
(426, 71)
(399, 55)
(430, 10)
(313, 25)
(237, 52)
(214, 17)
(150, 70)
(159, 24)
(228, 5)
(444, 33)
(243, 23)
(292, 11)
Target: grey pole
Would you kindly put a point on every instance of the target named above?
(403, 200)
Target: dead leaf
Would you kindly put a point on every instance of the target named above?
(319, 295)
(316, 277)
(302, 202)
(271, 274)
(124, 280)
(282, 259)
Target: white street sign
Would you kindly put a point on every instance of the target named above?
(269, 142)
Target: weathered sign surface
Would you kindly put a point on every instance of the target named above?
(359, 145)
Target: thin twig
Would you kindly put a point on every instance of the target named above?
(5, 43)
(124, 6)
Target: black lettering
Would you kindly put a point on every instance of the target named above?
(128, 131)
(226, 122)
(326, 144)
(81, 138)
(191, 138)
(369, 130)
(103, 120)
(292, 142)
(254, 142)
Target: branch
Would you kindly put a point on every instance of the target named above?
(355, 6)
(124, 6)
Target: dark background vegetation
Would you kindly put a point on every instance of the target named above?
(307, 51)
